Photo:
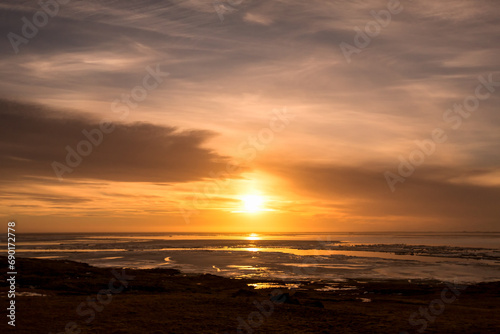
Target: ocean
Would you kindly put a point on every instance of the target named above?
(329, 257)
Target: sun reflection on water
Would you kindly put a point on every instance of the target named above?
(253, 236)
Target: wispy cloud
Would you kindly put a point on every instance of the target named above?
(225, 78)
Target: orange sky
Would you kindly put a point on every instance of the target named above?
(207, 112)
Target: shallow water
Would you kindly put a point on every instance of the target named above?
(459, 257)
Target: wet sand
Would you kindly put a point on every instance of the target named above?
(59, 294)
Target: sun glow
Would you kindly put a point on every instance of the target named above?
(253, 203)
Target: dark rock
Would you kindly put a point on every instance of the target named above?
(315, 303)
(244, 293)
(285, 298)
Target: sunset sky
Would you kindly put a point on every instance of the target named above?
(263, 122)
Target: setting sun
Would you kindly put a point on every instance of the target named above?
(253, 203)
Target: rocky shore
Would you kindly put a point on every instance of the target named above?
(59, 296)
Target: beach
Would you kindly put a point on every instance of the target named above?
(61, 296)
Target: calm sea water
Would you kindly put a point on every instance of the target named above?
(461, 257)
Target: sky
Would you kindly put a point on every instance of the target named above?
(250, 115)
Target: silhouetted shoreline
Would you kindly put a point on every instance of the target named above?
(59, 294)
